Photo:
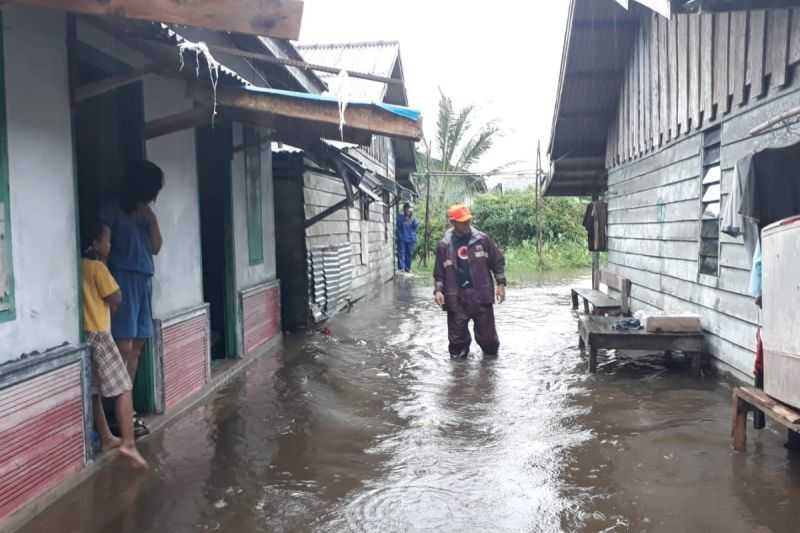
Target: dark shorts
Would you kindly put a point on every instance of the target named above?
(134, 318)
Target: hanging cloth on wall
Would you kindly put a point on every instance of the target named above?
(595, 220)
(766, 189)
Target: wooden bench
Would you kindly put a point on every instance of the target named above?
(596, 332)
(747, 399)
(598, 302)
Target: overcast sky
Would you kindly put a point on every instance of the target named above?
(503, 56)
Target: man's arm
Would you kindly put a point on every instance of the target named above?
(438, 277)
(497, 264)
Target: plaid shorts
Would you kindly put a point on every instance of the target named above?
(109, 374)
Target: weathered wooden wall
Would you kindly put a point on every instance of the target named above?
(654, 183)
(693, 71)
(373, 253)
(304, 190)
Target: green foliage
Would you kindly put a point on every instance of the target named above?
(510, 218)
(522, 262)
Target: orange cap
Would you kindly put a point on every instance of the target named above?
(459, 213)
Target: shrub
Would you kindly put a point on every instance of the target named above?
(510, 218)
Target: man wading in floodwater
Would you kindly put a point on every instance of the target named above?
(465, 261)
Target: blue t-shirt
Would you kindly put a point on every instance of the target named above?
(131, 249)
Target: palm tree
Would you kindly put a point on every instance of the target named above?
(461, 146)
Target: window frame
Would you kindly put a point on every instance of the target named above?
(253, 185)
(710, 152)
(8, 307)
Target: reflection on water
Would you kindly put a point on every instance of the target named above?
(374, 428)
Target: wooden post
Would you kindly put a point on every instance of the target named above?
(739, 424)
(539, 175)
(592, 359)
(595, 260)
(426, 234)
(697, 362)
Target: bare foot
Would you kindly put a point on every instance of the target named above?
(111, 443)
(134, 458)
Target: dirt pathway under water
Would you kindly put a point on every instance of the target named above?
(373, 428)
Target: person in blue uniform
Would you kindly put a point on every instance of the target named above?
(406, 238)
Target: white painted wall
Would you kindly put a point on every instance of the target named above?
(178, 282)
(43, 213)
(247, 275)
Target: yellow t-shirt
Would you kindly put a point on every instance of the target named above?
(97, 284)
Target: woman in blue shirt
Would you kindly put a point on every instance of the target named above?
(136, 238)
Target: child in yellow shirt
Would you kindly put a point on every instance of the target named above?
(101, 296)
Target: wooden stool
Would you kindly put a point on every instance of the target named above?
(749, 399)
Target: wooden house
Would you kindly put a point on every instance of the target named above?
(82, 93)
(653, 114)
(333, 251)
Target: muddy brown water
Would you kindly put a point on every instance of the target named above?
(373, 428)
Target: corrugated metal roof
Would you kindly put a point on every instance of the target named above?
(375, 57)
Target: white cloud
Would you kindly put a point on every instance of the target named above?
(503, 56)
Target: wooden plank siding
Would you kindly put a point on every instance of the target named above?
(694, 69)
(321, 191)
(720, 54)
(706, 68)
(683, 73)
(733, 69)
(694, 72)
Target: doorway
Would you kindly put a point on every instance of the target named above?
(214, 157)
(108, 134)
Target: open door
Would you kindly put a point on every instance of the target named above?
(214, 156)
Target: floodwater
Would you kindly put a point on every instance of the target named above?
(370, 427)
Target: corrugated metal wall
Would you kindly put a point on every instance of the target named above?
(42, 434)
(186, 358)
(330, 274)
(261, 313)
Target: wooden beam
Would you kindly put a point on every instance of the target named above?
(327, 212)
(357, 117)
(708, 6)
(97, 88)
(260, 56)
(184, 120)
(274, 18)
(595, 75)
(295, 132)
(603, 114)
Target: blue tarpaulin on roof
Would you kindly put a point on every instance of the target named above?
(405, 112)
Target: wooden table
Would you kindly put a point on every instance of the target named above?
(597, 332)
(749, 399)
